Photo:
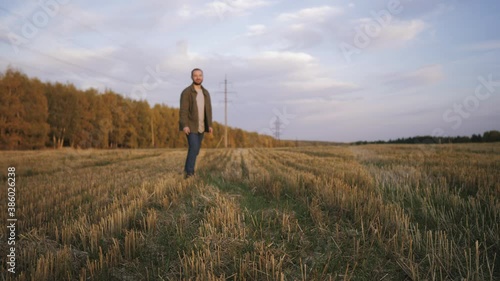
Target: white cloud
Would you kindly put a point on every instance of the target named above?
(178, 60)
(281, 65)
(221, 9)
(312, 84)
(312, 27)
(393, 34)
(300, 72)
(242, 5)
(226, 8)
(297, 30)
(422, 76)
(403, 30)
(79, 55)
(256, 29)
(286, 57)
(282, 75)
(184, 12)
(273, 55)
(311, 14)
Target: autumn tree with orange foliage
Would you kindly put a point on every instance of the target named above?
(35, 115)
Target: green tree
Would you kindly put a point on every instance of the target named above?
(491, 136)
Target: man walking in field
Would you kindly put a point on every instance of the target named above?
(195, 118)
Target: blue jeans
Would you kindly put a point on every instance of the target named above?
(194, 144)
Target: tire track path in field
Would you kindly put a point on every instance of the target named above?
(281, 214)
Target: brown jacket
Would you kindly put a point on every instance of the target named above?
(188, 113)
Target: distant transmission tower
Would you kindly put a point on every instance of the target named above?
(277, 128)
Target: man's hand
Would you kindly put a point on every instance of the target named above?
(186, 130)
(210, 130)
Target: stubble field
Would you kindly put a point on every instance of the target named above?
(374, 212)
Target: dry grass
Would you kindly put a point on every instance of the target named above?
(379, 212)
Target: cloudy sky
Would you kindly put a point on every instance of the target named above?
(331, 70)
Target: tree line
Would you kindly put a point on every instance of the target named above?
(36, 115)
(489, 136)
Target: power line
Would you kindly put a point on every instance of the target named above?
(79, 44)
(79, 66)
(12, 13)
(225, 110)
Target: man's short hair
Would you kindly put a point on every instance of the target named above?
(196, 69)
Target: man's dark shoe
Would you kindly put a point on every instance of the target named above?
(187, 176)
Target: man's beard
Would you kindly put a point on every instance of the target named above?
(196, 83)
